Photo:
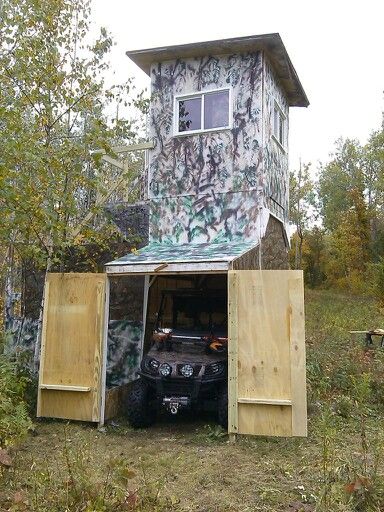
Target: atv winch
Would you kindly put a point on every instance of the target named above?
(173, 403)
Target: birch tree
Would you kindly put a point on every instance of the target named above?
(53, 100)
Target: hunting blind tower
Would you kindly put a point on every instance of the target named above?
(217, 191)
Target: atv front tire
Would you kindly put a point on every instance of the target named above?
(222, 408)
(140, 412)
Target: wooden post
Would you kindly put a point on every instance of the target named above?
(232, 355)
(104, 355)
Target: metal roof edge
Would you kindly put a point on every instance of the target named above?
(271, 43)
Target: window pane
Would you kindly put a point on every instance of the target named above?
(275, 122)
(216, 109)
(281, 130)
(189, 114)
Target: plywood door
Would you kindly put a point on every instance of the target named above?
(267, 381)
(70, 379)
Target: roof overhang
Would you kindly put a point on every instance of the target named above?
(272, 44)
(164, 258)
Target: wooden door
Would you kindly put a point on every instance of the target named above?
(266, 359)
(72, 349)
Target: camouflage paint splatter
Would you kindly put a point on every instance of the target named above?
(275, 159)
(123, 355)
(124, 351)
(209, 187)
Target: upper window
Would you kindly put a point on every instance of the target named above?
(279, 125)
(203, 111)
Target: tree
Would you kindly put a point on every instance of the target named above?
(53, 101)
(348, 246)
(337, 179)
(373, 161)
(351, 193)
(302, 201)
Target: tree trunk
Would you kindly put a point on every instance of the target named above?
(36, 356)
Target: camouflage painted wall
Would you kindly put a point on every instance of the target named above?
(124, 351)
(275, 157)
(124, 347)
(206, 187)
(274, 250)
(20, 340)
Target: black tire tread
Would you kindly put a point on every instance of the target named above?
(140, 413)
(222, 408)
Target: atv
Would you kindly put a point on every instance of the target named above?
(186, 365)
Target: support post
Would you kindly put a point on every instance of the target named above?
(145, 307)
(104, 355)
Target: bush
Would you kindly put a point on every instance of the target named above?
(375, 276)
(14, 419)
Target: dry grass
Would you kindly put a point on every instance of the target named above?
(196, 472)
(184, 464)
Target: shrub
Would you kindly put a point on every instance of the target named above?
(14, 419)
(375, 277)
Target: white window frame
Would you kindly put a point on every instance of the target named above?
(200, 94)
(283, 118)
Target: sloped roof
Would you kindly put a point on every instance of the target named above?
(272, 44)
(180, 257)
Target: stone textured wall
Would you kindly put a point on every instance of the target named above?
(274, 250)
(274, 247)
(132, 220)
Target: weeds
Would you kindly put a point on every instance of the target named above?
(210, 434)
(80, 484)
(352, 477)
(14, 419)
(339, 468)
(327, 433)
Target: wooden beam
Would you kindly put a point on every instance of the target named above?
(295, 319)
(161, 267)
(141, 146)
(60, 387)
(172, 268)
(104, 353)
(233, 419)
(114, 162)
(42, 347)
(102, 199)
(134, 147)
(168, 273)
(264, 401)
(153, 279)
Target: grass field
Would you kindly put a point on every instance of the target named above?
(187, 464)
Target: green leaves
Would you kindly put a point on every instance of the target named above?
(52, 104)
(14, 420)
(349, 196)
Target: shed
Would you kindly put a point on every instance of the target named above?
(217, 188)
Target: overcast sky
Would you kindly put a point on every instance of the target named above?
(337, 48)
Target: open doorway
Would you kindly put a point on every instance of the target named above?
(184, 364)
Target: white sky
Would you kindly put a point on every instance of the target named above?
(337, 48)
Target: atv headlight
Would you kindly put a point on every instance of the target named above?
(215, 368)
(165, 370)
(186, 370)
(153, 364)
